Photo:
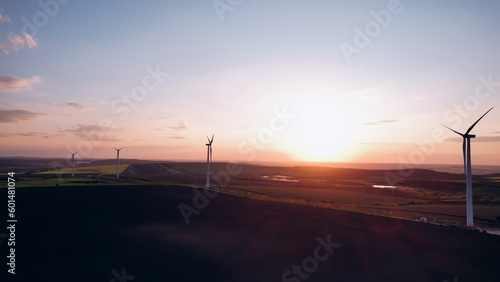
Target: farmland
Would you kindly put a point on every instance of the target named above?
(439, 196)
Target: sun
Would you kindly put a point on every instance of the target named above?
(324, 131)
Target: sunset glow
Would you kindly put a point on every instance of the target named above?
(157, 77)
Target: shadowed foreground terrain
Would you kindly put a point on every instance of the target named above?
(93, 233)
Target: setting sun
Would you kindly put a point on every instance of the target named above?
(324, 130)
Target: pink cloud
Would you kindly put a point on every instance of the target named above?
(13, 116)
(17, 42)
(32, 42)
(4, 18)
(16, 84)
(79, 106)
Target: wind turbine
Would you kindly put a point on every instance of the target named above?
(118, 162)
(73, 163)
(209, 158)
(467, 167)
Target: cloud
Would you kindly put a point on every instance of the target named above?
(28, 134)
(381, 122)
(172, 123)
(487, 139)
(84, 130)
(17, 42)
(477, 139)
(79, 106)
(92, 132)
(10, 105)
(16, 84)
(13, 116)
(176, 136)
(71, 105)
(32, 42)
(107, 138)
(4, 18)
(5, 47)
(178, 125)
(117, 111)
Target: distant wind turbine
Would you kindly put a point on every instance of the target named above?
(73, 163)
(209, 158)
(467, 167)
(118, 162)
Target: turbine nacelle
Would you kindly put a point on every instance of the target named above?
(470, 136)
(210, 141)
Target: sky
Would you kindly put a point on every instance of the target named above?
(280, 81)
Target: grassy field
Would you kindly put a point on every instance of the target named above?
(328, 195)
(64, 181)
(92, 175)
(106, 169)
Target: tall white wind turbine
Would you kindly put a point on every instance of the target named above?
(118, 162)
(467, 167)
(209, 158)
(73, 163)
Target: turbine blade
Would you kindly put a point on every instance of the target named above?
(465, 164)
(208, 140)
(210, 154)
(212, 140)
(472, 126)
(453, 130)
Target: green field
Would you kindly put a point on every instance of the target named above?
(106, 169)
(92, 175)
(63, 181)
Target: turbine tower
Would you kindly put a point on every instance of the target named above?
(209, 158)
(467, 167)
(73, 163)
(118, 162)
